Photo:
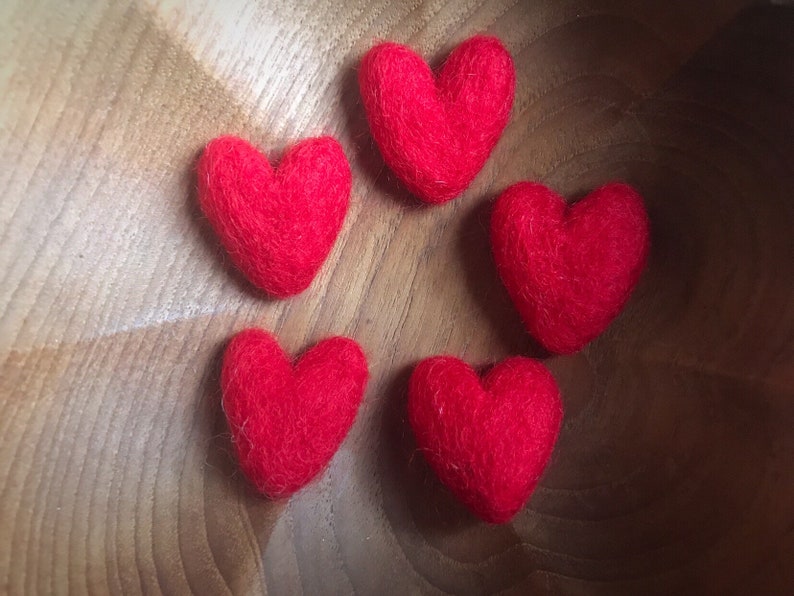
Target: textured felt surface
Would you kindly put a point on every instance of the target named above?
(569, 270)
(287, 420)
(488, 439)
(278, 226)
(436, 133)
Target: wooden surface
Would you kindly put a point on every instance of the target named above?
(674, 472)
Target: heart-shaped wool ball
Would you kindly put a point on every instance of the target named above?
(287, 420)
(569, 270)
(488, 440)
(436, 133)
(277, 226)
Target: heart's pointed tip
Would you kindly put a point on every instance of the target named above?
(496, 518)
(281, 283)
(277, 493)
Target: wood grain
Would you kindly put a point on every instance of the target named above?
(673, 472)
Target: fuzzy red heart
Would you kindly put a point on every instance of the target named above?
(286, 420)
(277, 226)
(488, 441)
(436, 133)
(569, 270)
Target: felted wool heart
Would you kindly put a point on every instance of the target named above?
(488, 440)
(569, 270)
(436, 133)
(277, 226)
(287, 420)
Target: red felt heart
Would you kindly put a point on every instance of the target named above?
(569, 270)
(288, 421)
(488, 441)
(437, 133)
(277, 226)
